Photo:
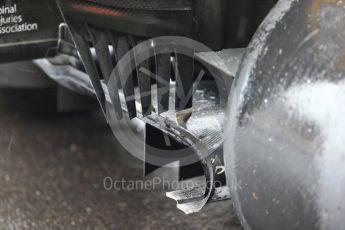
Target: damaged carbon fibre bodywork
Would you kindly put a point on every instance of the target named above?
(202, 131)
(166, 108)
(282, 116)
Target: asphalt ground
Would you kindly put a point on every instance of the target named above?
(52, 169)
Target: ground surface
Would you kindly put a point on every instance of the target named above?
(52, 170)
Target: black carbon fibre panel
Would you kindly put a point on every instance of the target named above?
(166, 5)
(139, 21)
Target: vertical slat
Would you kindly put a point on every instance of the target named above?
(164, 71)
(115, 77)
(127, 81)
(144, 79)
(86, 56)
(101, 43)
(114, 38)
(184, 81)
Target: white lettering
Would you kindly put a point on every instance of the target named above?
(8, 9)
(12, 22)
